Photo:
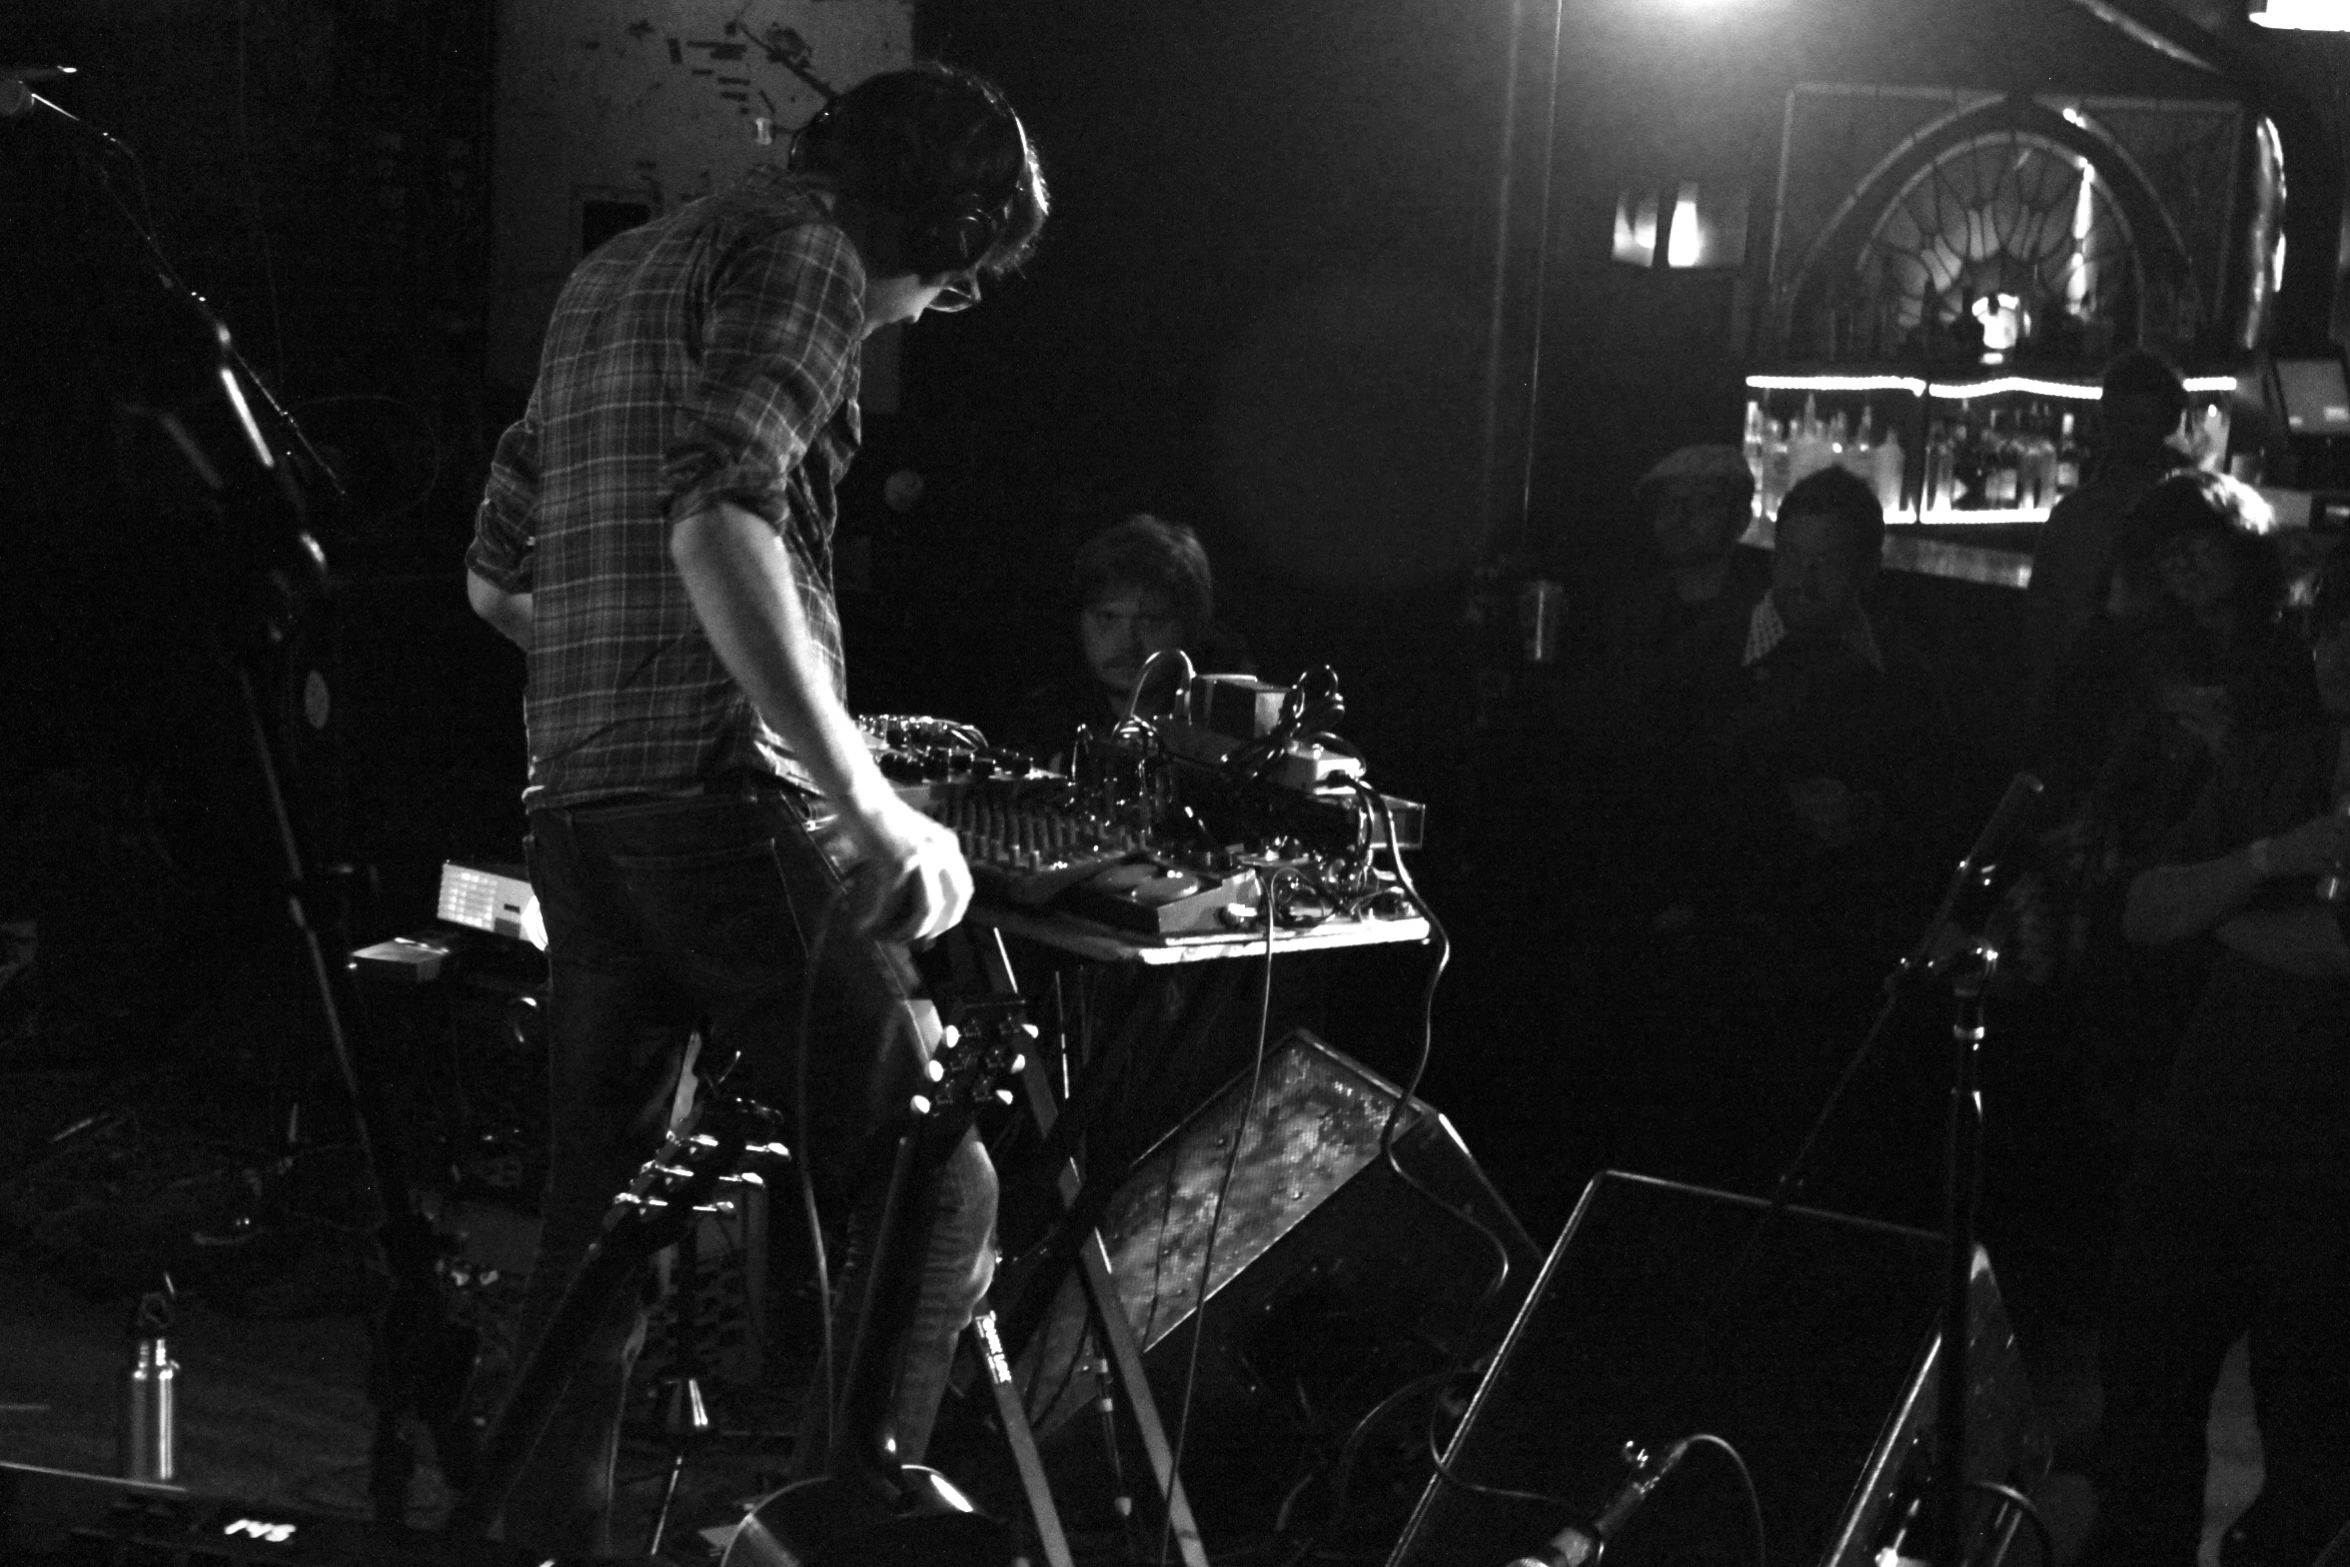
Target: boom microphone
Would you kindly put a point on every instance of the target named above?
(1577, 1543)
(17, 98)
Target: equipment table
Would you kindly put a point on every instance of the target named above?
(1103, 944)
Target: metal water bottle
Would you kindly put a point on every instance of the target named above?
(147, 1446)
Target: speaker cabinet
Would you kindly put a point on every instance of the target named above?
(1813, 1354)
(1333, 1283)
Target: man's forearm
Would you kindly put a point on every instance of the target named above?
(2173, 902)
(2305, 941)
(739, 578)
(508, 614)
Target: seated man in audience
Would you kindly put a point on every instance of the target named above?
(2236, 1218)
(1814, 712)
(1142, 587)
(1798, 810)
(1697, 502)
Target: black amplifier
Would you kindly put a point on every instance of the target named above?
(77, 1520)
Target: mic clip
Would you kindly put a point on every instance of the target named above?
(1579, 1544)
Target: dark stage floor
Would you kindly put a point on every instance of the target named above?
(274, 1407)
(145, 1080)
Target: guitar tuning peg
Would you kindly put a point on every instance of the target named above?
(721, 1207)
(749, 1177)
(768, 1150)
(919, 1104)
(935, 1070)
(704, 1140)
(1031, 1030)
(639, 1200)
(1003, 1096)
(1019, 1064)
(676, 1172)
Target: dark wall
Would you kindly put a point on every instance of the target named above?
(314, 174)
(1263, 306)
(1267, 300)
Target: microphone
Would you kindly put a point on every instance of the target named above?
(1580, 1543)
(2014, 809)
(17, 98)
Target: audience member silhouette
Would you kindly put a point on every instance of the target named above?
(2236, 1214)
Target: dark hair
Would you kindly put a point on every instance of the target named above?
(939, 151)
(1147, 552)
(2141, 372)
(1841, 496)
(2192, 502)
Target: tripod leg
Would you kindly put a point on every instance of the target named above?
(1109, 1312)
(1022, 1441)
(1101, 1287)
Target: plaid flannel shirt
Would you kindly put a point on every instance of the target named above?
(710, 355)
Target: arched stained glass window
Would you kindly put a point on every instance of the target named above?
(2005, 239)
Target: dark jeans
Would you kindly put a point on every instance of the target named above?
(668, 916)
(2205, 1255)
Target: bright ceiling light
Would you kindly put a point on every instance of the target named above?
(2320, 16)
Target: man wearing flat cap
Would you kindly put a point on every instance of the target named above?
(1697, 501)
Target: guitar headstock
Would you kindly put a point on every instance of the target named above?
(726, 1136)
(975, 1054)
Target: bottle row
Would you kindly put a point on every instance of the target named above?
(2006, 459)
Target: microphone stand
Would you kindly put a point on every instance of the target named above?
(1962, 1161)
(1970, 968)
(419, 1359)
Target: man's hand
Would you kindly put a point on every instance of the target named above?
(909, 882)
(909, 879)
(2169, 903)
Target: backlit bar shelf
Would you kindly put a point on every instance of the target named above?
(1962, 391)
(1951, 449)
(1982, 518)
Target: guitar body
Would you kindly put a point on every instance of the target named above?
(849, 1523)
(866, 1509)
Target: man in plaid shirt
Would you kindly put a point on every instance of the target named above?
(656, 536)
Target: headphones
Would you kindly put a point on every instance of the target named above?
(906, 141)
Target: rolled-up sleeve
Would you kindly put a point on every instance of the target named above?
(777, 345)
(500, 553)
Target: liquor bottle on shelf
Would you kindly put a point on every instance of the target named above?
(2002, 465)
(1969, 483)
(2208, 437)
(1778, 459)
(1886, 461)
(1937, 487)
(2069, 461)
(1859, 453)
(2039, 461)
(1809, 451)
(1755, 445)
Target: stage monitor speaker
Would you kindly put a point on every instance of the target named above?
(80, 1520)
(1335, 1284)
(1815, 1359)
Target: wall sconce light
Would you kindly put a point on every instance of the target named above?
(1699, 227)
(2317, 16)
